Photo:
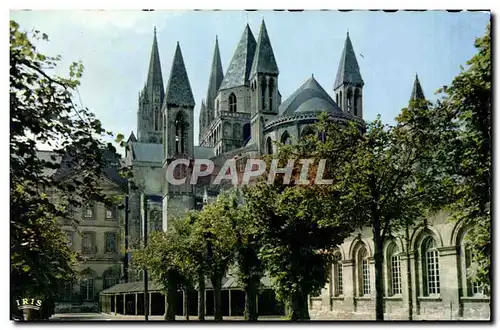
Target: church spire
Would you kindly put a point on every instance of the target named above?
(238, 72)
(216, 76)
(348, 72)
(417, 92)
(203, 122)
(155, 78)
(179, 91)
(264, 60)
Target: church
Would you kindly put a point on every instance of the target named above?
(242, 114)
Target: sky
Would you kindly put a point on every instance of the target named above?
(115, 47)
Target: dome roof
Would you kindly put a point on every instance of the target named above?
(310, 97)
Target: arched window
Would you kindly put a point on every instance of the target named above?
(232, 102)
(393, 270)
(308, 130)
(473, 288)
(269, 146)
(337, 98)
(271, 92)
(285, 138)
(363, 269)
(87, 287)
(181, 129)
(340, 99)
(430, 266)
(338, 287)
(246, 132)
(263, 94)
(349, 100)
(217, 107)
(357, 100)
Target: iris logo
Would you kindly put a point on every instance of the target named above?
(29, 303)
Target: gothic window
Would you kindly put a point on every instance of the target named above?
(285, 138)
(340, 99)
(181, 127)
(338, 287)
(393, 270)
(217, 106)
(271, 92)
(110, 239)
(156, 118)
(232, 102)
(87, 287)
(246, 132)
(88, 243)
(337, 98)
(307, 131)
(269, 146)
(263, 94)
(430, 267)
(363, 269)
(349, 100)
(357, 99)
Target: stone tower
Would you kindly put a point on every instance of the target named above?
(348, 87)
(149, 117)
(230, 128)
(264, 87)
(178, 143)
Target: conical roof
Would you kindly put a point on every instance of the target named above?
(348, 72)
(264, 60)
(238, 71)
(417, 92)
(216, 76)
(179, 91)
(310, 97)
(155, 78)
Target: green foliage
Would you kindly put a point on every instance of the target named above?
(42, 111)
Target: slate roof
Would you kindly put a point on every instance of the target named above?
(216, 76)
(155, 78)
(238, 71)
(417, 92)
(229, 282)
(147, 152)
(310, 97)
(179, 91)
(264, 61)
(348, 71)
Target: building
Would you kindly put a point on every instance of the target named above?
(242, 114)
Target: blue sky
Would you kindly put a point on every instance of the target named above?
(115, 48)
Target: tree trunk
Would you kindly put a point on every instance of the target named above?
(299, 307)
(379, 278)
(251, 313)
(217, 285)
(185, 301)
(201, 297)
(171, 302)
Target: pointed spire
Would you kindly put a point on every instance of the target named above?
(417, 92)
(264, 61)
(216, 76)
(179, 90)
(155, 78)
(348, 72)
(132, 137)
(238, 71)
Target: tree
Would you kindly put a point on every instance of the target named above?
(249, 266)
(467, 101)
(165, 258)
(42, 111)
(215, 228)
(295, 239)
